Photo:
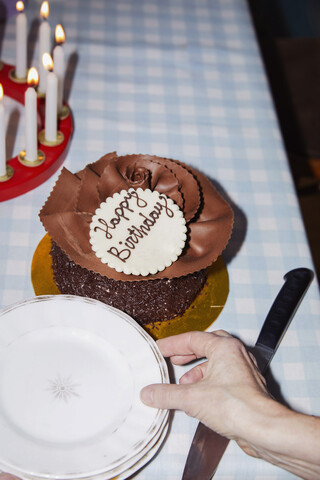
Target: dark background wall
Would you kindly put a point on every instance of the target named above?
(287, 18)
(289, 35)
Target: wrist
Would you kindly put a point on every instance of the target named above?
(284, 438)
(256, 420)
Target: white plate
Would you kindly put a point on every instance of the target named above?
(71, 370)
(146, 458)
(125, 470)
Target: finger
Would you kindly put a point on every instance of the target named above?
(7, 476)
(179, 345)
(189, 343)
(194, 375)
(165, 396)
(182, 359)
(221, 333)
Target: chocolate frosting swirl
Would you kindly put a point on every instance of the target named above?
(67, 213)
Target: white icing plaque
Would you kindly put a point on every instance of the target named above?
(138, 232)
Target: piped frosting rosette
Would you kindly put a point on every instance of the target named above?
(75, 198)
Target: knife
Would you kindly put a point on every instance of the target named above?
(207, 446)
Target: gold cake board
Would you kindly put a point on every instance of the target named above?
(199, 316)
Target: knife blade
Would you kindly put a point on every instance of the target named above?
(208, 447)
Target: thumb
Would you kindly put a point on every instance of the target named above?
(166, 396)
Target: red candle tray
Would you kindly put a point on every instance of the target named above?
(24, 177)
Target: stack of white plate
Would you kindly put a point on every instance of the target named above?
(71, 371)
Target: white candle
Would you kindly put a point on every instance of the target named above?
(21, 42)
(30, 101)
(3, 159)
(58, 61)
(51, 117)
(44, 45)
(31, 126)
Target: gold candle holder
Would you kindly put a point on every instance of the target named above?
(31, 163)
(65, 112)
(40, 94)
(49, 143)
(12, 76)
(8, 175)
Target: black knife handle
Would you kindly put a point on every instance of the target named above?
(284, 307)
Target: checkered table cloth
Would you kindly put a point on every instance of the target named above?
(183, 79)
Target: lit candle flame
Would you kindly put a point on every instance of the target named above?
(33, 77)
(20, 6)
(1, 92)
(59, 34)
(47, 61)
(44, 10)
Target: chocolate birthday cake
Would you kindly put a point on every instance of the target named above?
(137, 232)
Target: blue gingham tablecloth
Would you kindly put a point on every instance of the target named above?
(183, 79)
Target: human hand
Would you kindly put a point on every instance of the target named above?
(228, 394)
(223, 392)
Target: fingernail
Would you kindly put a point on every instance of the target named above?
(146, 395)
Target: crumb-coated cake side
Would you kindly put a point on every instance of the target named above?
(165, 298)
